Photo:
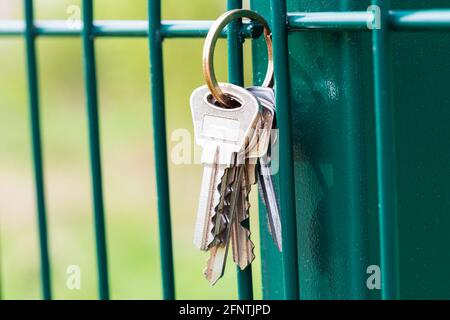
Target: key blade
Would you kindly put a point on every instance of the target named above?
(267, 192)
(202, 236)
(216, 264)
(209, 199)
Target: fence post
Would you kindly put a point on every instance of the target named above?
(286, 171)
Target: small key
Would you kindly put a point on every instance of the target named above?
(221, 133)
(241, 237)
(242, 245)
(265, 185)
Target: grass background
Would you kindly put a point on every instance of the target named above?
(127, 158)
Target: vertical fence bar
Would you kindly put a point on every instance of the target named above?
(385, 147)
(33, 100)
(286, 167)
(236, 76)
(160, 147)
(94, 147)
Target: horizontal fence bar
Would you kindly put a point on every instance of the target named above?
(329, 20)
(404, 20)
(399, 20)
(438, 20)
(120, 28)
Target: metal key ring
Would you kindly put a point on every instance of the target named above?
(210, 43)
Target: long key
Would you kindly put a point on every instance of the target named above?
(265, 185)
(221, 133)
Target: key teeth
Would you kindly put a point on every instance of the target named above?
(217, 199)
(252, 248)
(247, 215)
(226, 205)
(244, 264)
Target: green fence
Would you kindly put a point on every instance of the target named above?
(282, 23)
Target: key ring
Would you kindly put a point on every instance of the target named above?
(210, 43)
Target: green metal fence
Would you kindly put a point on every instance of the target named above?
(156, 30)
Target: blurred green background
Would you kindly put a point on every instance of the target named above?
(127, 157)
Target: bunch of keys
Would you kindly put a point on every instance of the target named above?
(234, 142)
(233, 125)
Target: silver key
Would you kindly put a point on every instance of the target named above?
(265, 182)
(221, 133)
(241, 237)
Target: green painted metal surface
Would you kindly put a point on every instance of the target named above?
(422, 116)
(335, 157)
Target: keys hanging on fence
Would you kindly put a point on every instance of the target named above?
(234, 126)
